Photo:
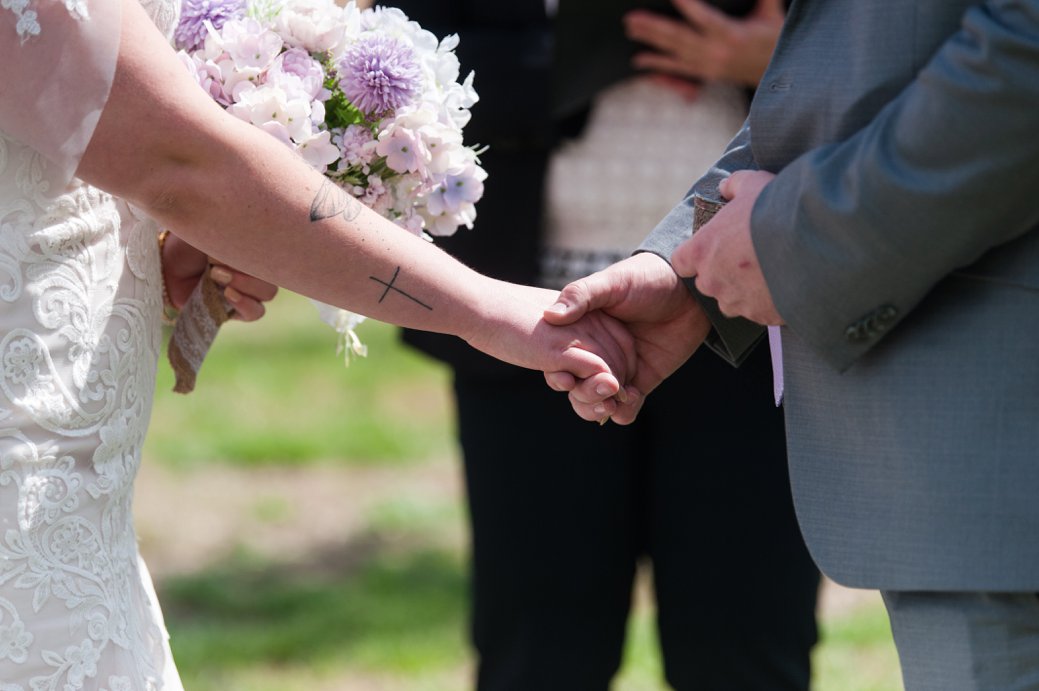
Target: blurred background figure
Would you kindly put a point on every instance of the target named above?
(599, 115)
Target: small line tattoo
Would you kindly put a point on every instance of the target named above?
(390, 286)
(331, 201)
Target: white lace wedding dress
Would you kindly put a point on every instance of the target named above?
(80, 328)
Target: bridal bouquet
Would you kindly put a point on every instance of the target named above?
(366, 97)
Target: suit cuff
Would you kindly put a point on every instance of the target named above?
(731, 338)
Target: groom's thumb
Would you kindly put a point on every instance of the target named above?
(572, 304)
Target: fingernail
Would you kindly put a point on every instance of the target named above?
(232, 295)
(220, 275)
(603, 389)
(600, 409)
(558, 308)
(604, 420)
(622, 395)
(723, 187)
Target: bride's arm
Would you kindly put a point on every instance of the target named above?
(243, 197)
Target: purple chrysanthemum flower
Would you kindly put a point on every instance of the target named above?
(379, 74)
(191, 31)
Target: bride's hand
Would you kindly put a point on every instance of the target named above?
(597, 349)
(666, 323)
(183, 266)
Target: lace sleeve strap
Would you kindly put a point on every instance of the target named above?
(58, 58)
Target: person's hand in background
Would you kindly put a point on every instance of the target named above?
(706, 44)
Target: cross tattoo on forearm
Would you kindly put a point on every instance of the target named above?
(390, 286)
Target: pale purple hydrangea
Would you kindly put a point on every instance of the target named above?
(299, 75)
(404, 150)
(452, 203)
(191, 31)
(375, 191)
(456, 192)
(380, 74)
(207, 74)
(355, 143)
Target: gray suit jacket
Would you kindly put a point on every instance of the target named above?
(900, 240)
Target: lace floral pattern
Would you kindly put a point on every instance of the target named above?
(28, 20)
(80, 332)
(28, 23)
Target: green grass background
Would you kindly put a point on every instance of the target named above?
(274, 393)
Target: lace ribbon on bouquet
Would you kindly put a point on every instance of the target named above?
(206, 309)
(195, 330)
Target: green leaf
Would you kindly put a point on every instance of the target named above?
(339, 112)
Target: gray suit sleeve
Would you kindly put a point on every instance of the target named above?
(852, 236)
(732, 339)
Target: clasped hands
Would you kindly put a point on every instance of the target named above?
(665, 323)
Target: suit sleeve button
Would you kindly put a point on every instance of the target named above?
(873, 324)
(856, 332)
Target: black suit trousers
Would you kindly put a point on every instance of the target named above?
(562, 510)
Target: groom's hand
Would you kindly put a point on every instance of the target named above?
(644, 293)
(597, 350)
(721, 254)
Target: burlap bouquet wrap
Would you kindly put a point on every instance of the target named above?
(195, 330)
